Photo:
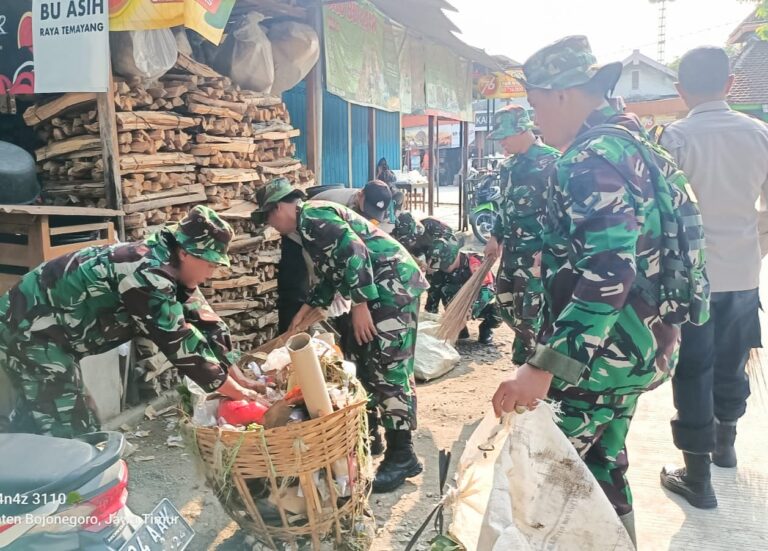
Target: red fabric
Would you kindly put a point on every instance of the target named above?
(241, 412)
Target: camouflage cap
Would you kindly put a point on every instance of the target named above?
(407, 230)
(203, 234)
(567, 63)
(443, 254)
(510, 121)
(270, 195)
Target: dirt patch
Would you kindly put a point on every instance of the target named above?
(449, 409)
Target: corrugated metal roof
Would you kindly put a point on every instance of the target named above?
(426, 17)
(750, 68)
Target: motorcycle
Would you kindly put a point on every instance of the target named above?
(486, 200)
(58, 494)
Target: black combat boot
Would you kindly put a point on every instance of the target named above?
(464, 333)
(486, 334)
(725, 437)
(400, 462)
(693, 481)
(377, 444)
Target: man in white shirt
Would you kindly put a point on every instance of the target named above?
(725, 156)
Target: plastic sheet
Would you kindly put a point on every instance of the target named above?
(246, 55)
(145, 54)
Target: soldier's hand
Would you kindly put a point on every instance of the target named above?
(526, 387)
(245, 382)
(234, 390)
(296, 323)
(362, 324)
(492, 249)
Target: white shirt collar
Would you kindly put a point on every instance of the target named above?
(707, 106)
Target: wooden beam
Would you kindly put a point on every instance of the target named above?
(70, 145)
(105, 103)
(371, 143)
(431, 171)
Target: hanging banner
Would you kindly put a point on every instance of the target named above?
(207, 17)
(501, 85)
(448, 84)
(362, 55)
(16, 64)
(71, 44)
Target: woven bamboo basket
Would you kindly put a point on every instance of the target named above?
(238, 464)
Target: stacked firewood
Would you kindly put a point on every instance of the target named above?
(70, 166)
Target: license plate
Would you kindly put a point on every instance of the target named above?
(164, 529)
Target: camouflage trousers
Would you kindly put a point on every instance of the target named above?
(385, 366)
(597, 426)
(50, 395)
(519, 296)
(443, 287)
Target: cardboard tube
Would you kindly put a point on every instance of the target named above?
(306, 365)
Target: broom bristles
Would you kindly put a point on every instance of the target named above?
(458, 310)
(316, 315)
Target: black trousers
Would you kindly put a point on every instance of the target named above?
(711, 381)
(292, 283)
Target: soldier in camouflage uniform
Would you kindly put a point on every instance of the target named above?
(518, 228)
(448, 269)
(90, 301)
(603, 341)
(362, 263)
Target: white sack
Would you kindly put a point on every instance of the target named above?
(521, 485)
(145, 54)
(295, 50)
(433, 357)
(246, 56)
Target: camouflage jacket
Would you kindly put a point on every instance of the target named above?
(92, 300)
(602, 228)
(519, 226)
(354, 257)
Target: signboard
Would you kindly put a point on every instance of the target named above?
(16, 64)
(501, 85)
(482, 120)
(362, 55)
(207, 17)
(448, 84)
(71, 44)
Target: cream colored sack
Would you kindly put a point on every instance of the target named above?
(521, 485)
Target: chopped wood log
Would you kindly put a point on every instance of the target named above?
(42, 112)
(154, 120)
(70, 145)
(137, 162)
(228, 176)
(196, 68)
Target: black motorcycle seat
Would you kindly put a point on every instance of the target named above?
(29, 462)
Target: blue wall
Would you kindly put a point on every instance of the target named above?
(335, 140)
(296, 101)
(388, 143)
(359, 146)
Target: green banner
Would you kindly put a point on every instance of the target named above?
(448, 83)
(362, 55)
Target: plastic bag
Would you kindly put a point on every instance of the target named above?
(145, 54)
(521, 485)
(295, 50)
(433, 357)
(246, 55)
(204, 411)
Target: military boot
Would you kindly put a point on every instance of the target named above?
(486, 334)
(400, 462)
(628, 521)
(377, 444)
(693, 481)
(725, 438)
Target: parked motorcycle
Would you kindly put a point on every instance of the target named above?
(58, 494)
(486, 200)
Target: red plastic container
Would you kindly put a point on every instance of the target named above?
(241, 412)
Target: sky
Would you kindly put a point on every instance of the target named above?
(517, 28)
